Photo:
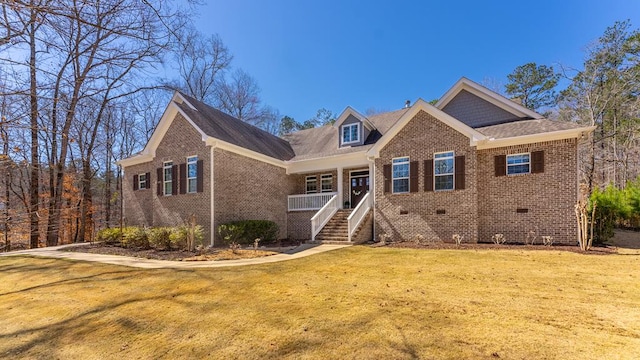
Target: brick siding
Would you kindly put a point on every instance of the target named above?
(248, 189)
(145, 208)
(403, 216)
(299, 225)
(548, 197)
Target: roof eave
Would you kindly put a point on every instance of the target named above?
(492, 143)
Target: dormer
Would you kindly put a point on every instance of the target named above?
(353, 128)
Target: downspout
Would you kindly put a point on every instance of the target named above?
(211, 195)
(372, 191)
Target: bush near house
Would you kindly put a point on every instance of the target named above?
(244, 232)
(159, 238)
(615, 208)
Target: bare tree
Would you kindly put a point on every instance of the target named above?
(239, 96)
(201, 64)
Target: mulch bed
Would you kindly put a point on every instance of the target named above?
(173, 255)
(595, 250)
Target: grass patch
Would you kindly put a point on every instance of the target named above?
(356, 302)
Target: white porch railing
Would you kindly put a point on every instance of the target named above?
(320, 219)
(358, 214)
(305, 202)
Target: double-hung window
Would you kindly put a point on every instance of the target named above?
(350, 133)
(192, 174)
(326, 183)
(167, 167)
(142, 181)
(518, 164)
(312, 184)
(443, 170)
(400, 175)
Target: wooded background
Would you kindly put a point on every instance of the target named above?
(81, 86)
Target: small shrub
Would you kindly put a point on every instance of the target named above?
(498, 239)
(384, 238)
(109, 236)
(160, 238)
(246, 231)
(135, 237)
(457, 238)
(531, 237)
(230, 233)
(235, 247)
(418, 239)
(547, 240)
(179, 236)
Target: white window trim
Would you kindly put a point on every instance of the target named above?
(357, 125)
(408, 162)
(453, 157)
(325, 177)
(196, 177)
(307, 180)
(164, 178)
(506, 159)
(142, 183)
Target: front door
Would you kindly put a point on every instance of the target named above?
(359, 187)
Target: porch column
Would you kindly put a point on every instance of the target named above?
(340, 197)
(372, 183)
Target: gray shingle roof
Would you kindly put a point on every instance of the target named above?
(526, 127)
(219, 125)
(323, 141)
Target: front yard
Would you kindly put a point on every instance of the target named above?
(357, 302)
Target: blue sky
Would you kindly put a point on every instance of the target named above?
(376, 54)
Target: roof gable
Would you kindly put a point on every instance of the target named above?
(349, 114)
(421, 105)
(478, 106)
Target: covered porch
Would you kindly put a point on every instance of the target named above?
(321, 194)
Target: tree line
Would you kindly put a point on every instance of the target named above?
(603, 92)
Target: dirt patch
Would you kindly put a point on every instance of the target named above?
(212, 254)
(600, 250)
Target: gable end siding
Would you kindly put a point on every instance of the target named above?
(476, 112)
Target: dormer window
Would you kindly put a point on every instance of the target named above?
(350, 133)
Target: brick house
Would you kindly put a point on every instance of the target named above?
(473, 164)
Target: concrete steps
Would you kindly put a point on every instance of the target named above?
(336, 230)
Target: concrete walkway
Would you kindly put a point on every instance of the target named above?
(54, 252)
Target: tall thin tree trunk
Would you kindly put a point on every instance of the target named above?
(86, 215)
(7, 180)
(34, 193)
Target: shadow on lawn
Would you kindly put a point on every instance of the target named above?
(86, 322)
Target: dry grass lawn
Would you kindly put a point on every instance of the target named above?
(354, 303)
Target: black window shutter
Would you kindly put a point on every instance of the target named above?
(413, 176)
(200, 176)
(386, 170)
(147, 183)
(159, 182)
(135, 182)
(183, 178)
(459, 172)
(537, 162)
(428, 175)
(174, 180)
(500, 164)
